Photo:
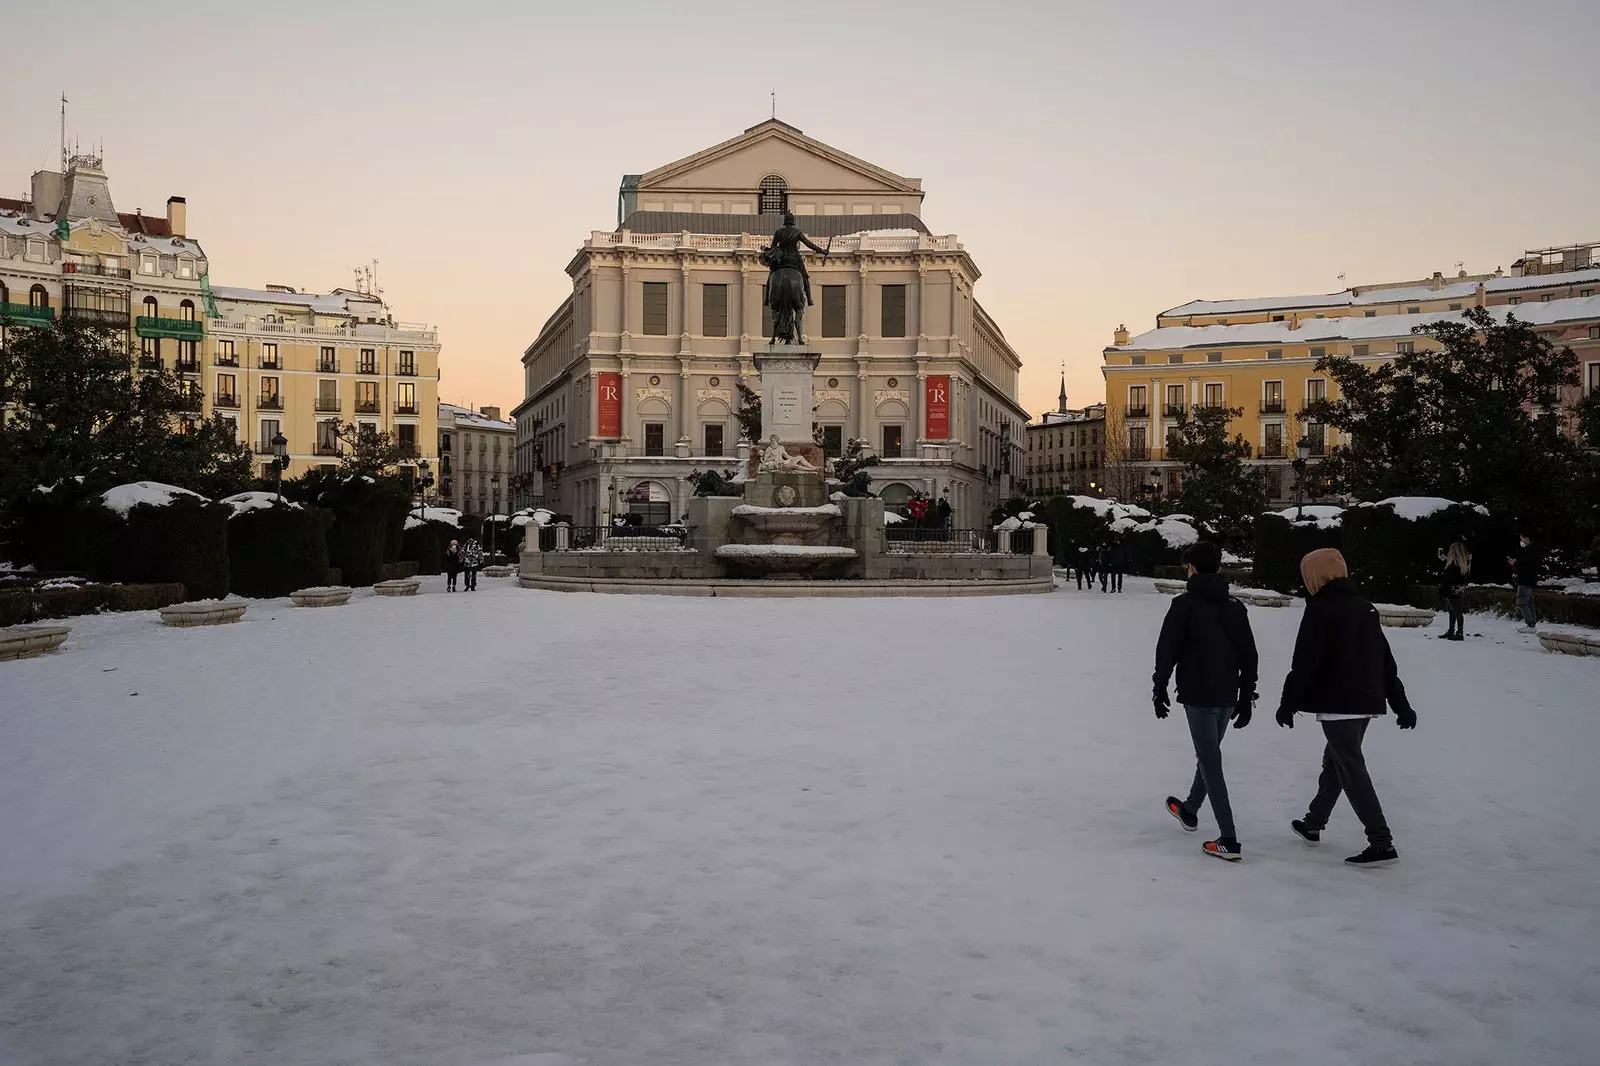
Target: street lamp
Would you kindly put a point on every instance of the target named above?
(424, 480)
(494, 501)
(1302, 452)
(1155, 484)
(280, 460)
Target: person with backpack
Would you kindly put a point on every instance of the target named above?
(452, 565)
(1344, 673)
(1457, 565)
(1206, 636)
(471, 560)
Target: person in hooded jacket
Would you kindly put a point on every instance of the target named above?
(1344, 673)
(471, 560)
(452, 565)
(1207, 638)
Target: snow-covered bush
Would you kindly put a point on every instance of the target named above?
(1155, 543)
(1281, 542)
(1393, 545)
(147, 532)
(275, 548)
(368, 519)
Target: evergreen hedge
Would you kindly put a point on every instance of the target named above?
(1280, 544)
(1389, 555)
(272, 551)
(425, 544)
(1560, 607)
(368, 518)
(30, 605)
(185, 540)
(51, 529)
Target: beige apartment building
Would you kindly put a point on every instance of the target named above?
(476, 460)
(1066, 450)
(268, 361)
(631, 385)
(1261, 355)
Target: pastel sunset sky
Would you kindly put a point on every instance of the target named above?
(1102, 162)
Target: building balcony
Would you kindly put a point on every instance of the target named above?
(225, 399)
(404, 407)
(1141, 411)
(270, 403)
(327, 448)
(327, 366)
(366, 368)
(26, 315)
(1270, 451)
(329, 403)
(404, 370)
(96, 270)
(1138, 455)
(149, 362)
(106, 318)
(264, 362)
(225, 359)
(1272, 407)
(1175, 410)
(183, 329)
(368, 407)
(187, 366)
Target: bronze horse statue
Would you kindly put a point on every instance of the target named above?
(788, 286)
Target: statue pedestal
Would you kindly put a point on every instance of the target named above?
(788, 377)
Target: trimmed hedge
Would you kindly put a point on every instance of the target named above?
(185, 540)
(51, 529)
(425, 544)
(21, 607)
(367, 525)
(397, 570)
(1389, 555)
(1279, 547)
(507, 538)
(1557, 607)
(1147, 550)
(272, 551)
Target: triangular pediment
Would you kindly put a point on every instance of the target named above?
(775, 147)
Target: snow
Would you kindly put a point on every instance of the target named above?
(125, 498)
(755, 551)
(890, 518)
(752, 509)
(805, 854)
(1323, 516)
(1413, 508)
(255, 501)
(1176, 534)
(538, 516)
(416, 517)
(1010, 523)
(8, 567)
(1109, 508)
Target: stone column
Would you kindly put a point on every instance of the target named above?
(858, 409)
(625, 341)
(683, 302)
(629, 403)
(919, 416)
(922, 306)
(685, 442)
(563, 536)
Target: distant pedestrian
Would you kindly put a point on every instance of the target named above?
(452, 565)
(1118, 561)
(1457, 565)
(1207, 637)
(471, 560)
(1085, 566)
(1102, 563)
(1344, 673)
(1527, 563)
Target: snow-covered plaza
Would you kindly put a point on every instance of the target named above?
(517, 827)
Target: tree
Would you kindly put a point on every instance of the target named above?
(1479, 418)
(855, 459)
(370, 453)
(76, 408)
(1217, 485)
(1122, 474)
(749, 413)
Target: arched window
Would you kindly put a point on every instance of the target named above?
(186, 310)
(38, 296)
(151, 310)
(773, 196)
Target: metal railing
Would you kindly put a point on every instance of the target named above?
(1272, 407)
(225, 399)
(1176, 410)
(328, 403)
(328, 448)
(613, 538)
(920, 540)
(327, 366)
(111, 318)
(1270, 451)
(405, 370)
(403, 408)
(368, 407)
(95, 270)
(225, 359)
(365, 367)
(270, 403)
(264, 362)
(187, 366)
(1142, 411)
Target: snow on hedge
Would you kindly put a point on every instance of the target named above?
(1415, 508)
(1109, 508)
(537, 516)
(125, 498)
(890, 518)
(255, 501)
(1176, 534)
(448, 515)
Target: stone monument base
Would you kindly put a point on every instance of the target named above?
(786, 488)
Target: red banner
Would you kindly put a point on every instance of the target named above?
(936, 401)
(609, 397)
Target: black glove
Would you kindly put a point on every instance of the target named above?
(1406, 717)
(1241, 711)
(1286, 716)
(1163, 707)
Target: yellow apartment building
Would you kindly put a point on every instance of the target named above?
(1263, 359)
(267, 360)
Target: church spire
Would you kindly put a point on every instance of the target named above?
(1062, 406)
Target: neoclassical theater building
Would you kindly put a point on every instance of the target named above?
(630, 385)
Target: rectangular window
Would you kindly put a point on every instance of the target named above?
(367, 397)
(1455, 307)
(1359, 351)
(1136, 400)
(225, 353)
(408, 364)
(1515, 300)
(713, 433)
(1316, 389)
(1213, 357)
(269, 355)
(892, 441)
(1277, 318)
(1405, 347)
(1545, 298)
(1176, 401)
(405, 435)
(655, 433)
(327, 395)
(894, 311)
(1413, 310)
(832, 441)
(227, 389)
(655, 309)
(1136, 360)
(328, 361)
(328, 436)
(1594, 377)
(1213, 395)
(1272, 396)
(1275, 353)
(1176, 357)
(1372, 314)
(1272, 441)
(1138, 446)
(714, 311)
(833, 305)
(1586, 292)
(269, 388)
(1318, 352)
(406, 398)
(368, 363)
(1594, 333)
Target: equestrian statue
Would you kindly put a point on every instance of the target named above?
(788, 291)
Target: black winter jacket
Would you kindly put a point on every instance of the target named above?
(1342, 662)
(1528, 561)
(1207, 637)
(1451, 581)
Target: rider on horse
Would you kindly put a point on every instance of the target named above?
(785, 252)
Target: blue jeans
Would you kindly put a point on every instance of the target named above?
(1207, 726)
(1525, 605)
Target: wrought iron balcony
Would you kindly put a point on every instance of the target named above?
(95, 270)
(270, 403)
(187, 366)
(26, 314)
(405, 370)
(225, 399)
(327, 366)
(1272, 407)
(269, 362)
(367, 367)
(328, 448)
(107, 317)
(1176, 410)
(1271, 451)
(183, 329)
(368, 407)
(225, 359)
(1142, 411)
(402, 407)
(329, 403)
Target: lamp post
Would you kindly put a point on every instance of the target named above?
(1155, 484)
(494, 500)
(424, 479)
(1302, 452)
(280, 459)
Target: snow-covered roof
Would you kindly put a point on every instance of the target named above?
(337, 302)
(1454, 290)
(467, 418)
(125, 498)
(1348, 327)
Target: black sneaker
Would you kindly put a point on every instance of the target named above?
(1224, 849)
(1375, 856)
(1184, 815)
(1310, 836)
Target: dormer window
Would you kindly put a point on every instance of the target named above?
(773, 195)
(148, 264)
(35, 251)
(185, 267)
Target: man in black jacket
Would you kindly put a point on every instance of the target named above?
(1526, 562)
(1344, 673)
(1207, 636)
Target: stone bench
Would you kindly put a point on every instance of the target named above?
(202, 613)
(1170, 587)
(1392, 614)
(498, 570)
(400, 586)
(25, 642)
(1570, 641)
(321, 596)
(1260, 597)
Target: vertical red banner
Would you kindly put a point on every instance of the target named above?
(936, 403)
(609, 398)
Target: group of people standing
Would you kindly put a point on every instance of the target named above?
(1342, 671)
(1109, 561)
(1456, 562)
(463, 557)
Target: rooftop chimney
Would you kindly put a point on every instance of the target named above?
(46, 194)
(178, 215)
(491, 413)
(1120, 336)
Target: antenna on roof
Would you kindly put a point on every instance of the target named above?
(63, 133)
(774, 103)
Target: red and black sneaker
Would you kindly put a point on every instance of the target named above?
(1224, 849)
(1184, 815)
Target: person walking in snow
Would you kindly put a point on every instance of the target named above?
(1102, 565)
(1206, 636)
(471, 560)
(1527, 563)
(1457, 565)
(1085, 566)
(1344, 673)
(452, 565)
(1117, 559)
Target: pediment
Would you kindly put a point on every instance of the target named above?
(776, 148)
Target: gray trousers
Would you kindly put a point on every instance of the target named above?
(1525, 605)
(1344, 770)
(1207, 726)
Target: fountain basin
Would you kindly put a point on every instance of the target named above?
(787, 521)
(800, 560)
